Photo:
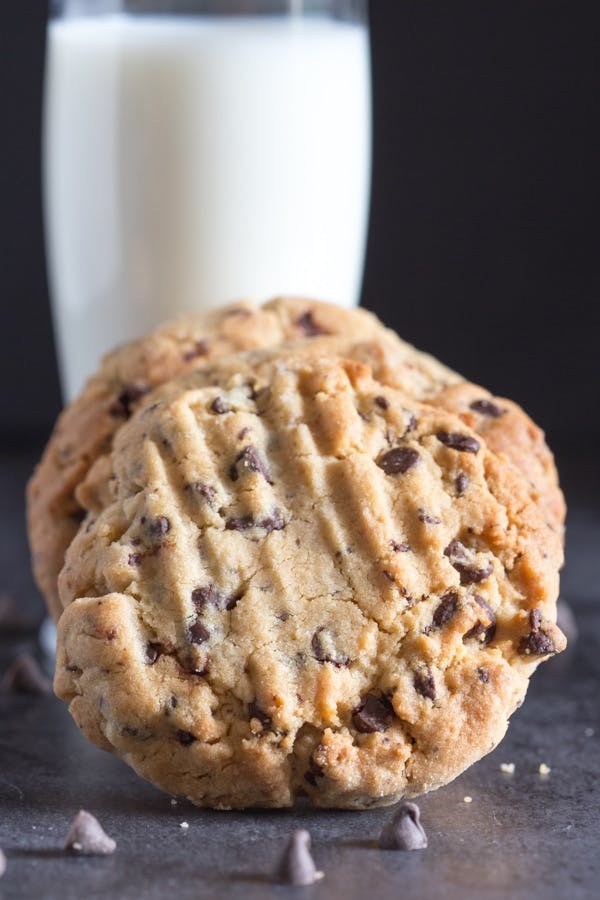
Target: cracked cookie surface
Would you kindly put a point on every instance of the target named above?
(308, 583)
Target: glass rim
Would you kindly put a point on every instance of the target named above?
(347, 10)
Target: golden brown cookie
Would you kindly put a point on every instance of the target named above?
(308, 583)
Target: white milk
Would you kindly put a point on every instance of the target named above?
(193, 161)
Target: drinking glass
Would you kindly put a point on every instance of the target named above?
(197, 153)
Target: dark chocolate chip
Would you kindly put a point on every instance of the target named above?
(135, 559)
(398, 460)
(200, 348)
(324, 649)
(87, 837)
(469, 574)
(372, 714)
(424, 683)
(25, 676)
(399, 548)
(487, 408)
(153, 651)
(130, 395)
(185, 737)
(199, 634)
(485, 633)
(255, 712)
(382, 402)
(297, 866)
(446, 609)
(428, 519)
(205, 490)
(308, 325)
(249, 460)
(404, 831)
(207, 596)
(464, 443)
(537, 643)
(274, 522)
(160, 526)
(461, 483)
(483, 675)
(219, 406)
(239, 523)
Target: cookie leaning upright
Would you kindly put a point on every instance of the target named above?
(308, 583)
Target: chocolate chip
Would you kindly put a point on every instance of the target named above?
(446, 609)
(487, 408)
(324, 649)
(24, 676)
(250, 460)
(485, 633)
(424, 683)
(255, 712)
(535, 618)
(160, 526)
(464, 443)
(219, 406)
(461, 483)
(398, 460)
(483, 675)
(297, 866)
(399, 548)
(239, 523)
(382, 402)
(372, 714)
(153, 651)
(314, 771)
(274, 522)
(87, 837)
(198, 633)
(134, 559)
(404, 831)
(207, 596)
(200, 348)
(185, 737)
(428, 519)
(130, 395)
(458, 555)
(205, 490)
(308, 325)
(537, 643)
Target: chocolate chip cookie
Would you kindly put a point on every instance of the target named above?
(308, 583)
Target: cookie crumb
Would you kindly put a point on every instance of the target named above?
(87, 837)
(297, 866)
(544, 770)
(404, 830)
(25, 676)
(507, 768)
(184, 825)
(467, 799)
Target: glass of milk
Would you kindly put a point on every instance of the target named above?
(197, 153)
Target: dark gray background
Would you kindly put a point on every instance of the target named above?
(483, 243)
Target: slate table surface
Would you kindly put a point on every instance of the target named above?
(522, 836)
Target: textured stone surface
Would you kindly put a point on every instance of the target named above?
(524, 836)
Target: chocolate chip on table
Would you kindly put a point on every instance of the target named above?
(308, 325)
(186, 738)
(398, 460)
(153, 651)
(446, 609)
(404, 830)
(25, 676)
(199, 634)
(461, 483)
(200, 348)
(487, 408)
(220, 406)
(87, 837)
(324, 649)
(249, 460)
(372, 714)
(424, 683)
(484, 633)
(297, 866)
(427, 518)
(255, 712)
(130, 395)
(464, 443)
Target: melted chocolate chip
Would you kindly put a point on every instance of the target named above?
(424, 683)
(382, 402)
(399, 548)
(255, 712)
(428, 519)
(324, 649)
(153, 651)
(461, 483)
(239, 523)
(404, 831)
(249, 460)
(464, 443)
(372, 714)
(446, 609)
(485, 633)
(537, 643)
(200, 348)
(130, 395)
(198, 633)
(219, 406)
(185, 737)
(398, 460)
(487, 408)
(308, 325)
(160, 526)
